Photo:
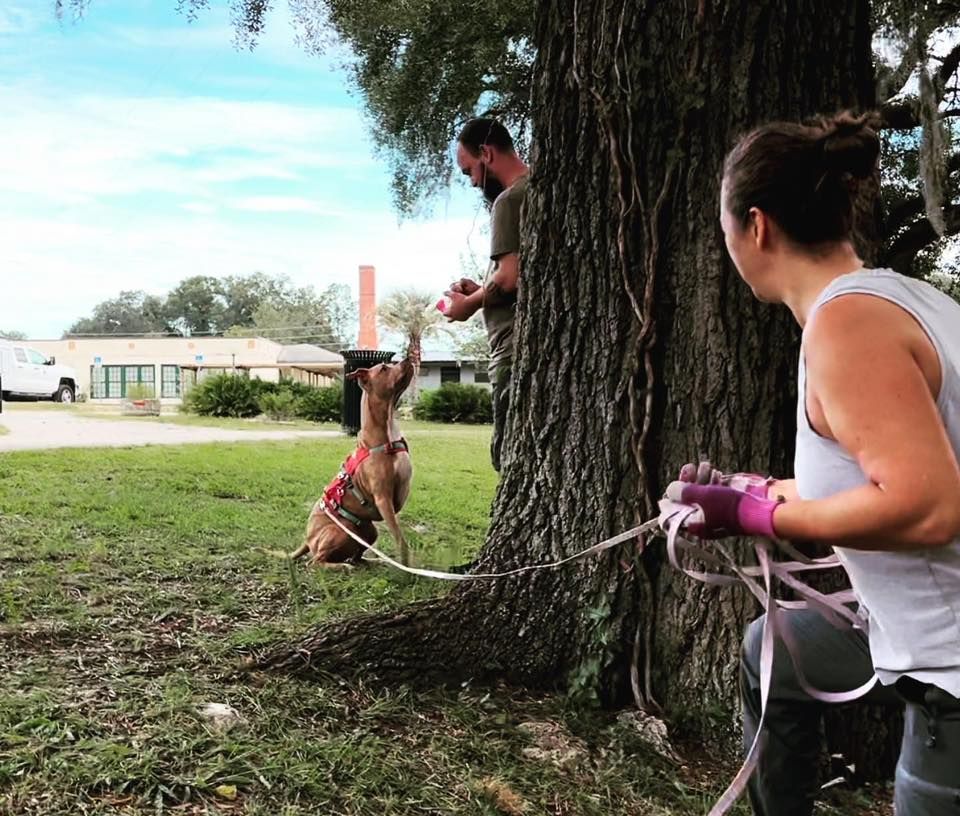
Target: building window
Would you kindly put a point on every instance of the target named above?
(170, 381)
(112, 382)
(449, 374)
(98, 383)
(482, 372)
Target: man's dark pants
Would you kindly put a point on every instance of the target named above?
(500, 387)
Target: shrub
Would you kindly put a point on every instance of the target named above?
(223, 395)
(453, 402)
(321, 404)
(279, 405)
(139, 391)
(232, 395)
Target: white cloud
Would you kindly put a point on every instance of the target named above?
(70, 150)
(283, 204)
(198, 207)
(16, 18)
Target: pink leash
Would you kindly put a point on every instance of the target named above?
(832, 606)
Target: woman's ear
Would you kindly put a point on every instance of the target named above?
(760, 225)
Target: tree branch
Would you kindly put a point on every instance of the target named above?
(949, 65)
(904, 114)
(917, 237)
(909, 207)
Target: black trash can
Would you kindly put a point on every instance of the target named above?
(352, 360)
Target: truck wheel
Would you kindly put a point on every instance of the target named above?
(64, 394)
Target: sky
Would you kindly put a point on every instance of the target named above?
(138, 148)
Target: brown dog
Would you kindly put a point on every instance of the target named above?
(373, 483)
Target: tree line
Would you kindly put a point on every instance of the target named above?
(231, 306)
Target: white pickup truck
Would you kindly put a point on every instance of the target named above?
(25, 372)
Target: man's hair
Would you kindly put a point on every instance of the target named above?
(482, 131)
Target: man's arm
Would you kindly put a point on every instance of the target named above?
(502, 285)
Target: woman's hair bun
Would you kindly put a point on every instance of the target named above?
(850, 144)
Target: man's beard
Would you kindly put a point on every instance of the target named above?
(491, 187)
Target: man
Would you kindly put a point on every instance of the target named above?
(486, 154)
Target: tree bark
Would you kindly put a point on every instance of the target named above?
(637, 349)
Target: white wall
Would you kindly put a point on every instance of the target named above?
(430, 374)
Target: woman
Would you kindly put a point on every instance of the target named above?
(877, 475)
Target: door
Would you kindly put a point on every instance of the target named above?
(47, 380)
(24, 379)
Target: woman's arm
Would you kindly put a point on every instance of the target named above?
(875, 400)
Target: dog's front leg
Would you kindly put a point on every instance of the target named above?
(389, 516)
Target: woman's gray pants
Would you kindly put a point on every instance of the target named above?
(785, 781)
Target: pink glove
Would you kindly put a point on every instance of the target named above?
(723, 510)
(706, 474)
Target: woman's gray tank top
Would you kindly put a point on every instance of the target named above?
(912, 597)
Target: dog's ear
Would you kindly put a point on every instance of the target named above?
(361, 375)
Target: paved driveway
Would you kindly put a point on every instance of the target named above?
(38, 429)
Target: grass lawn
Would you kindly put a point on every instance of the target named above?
(130, 579)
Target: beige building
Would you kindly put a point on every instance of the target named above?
(108, 366)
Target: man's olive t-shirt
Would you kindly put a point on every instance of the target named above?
(504, 240)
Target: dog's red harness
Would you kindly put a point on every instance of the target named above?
(337, 489)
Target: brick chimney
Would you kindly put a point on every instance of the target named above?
(368, 309)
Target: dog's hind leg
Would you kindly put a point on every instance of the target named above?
(385, 506)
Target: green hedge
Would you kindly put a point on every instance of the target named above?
(453, 402)
(235, 395)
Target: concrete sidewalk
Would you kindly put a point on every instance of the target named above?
(39, 429)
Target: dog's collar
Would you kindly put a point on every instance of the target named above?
(361, 454)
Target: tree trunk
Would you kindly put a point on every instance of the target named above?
(637, 348)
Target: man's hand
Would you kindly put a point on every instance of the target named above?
(465, 286)
(460, 308)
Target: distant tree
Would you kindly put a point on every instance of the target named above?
(291, 315)
(342, 311)
(197, 305)
(12, 335)
(244, 294)
(132, 312)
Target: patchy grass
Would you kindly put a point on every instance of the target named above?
(21, 404)
(3, 430)
(132, 579)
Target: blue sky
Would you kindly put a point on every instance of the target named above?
(138, 148)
